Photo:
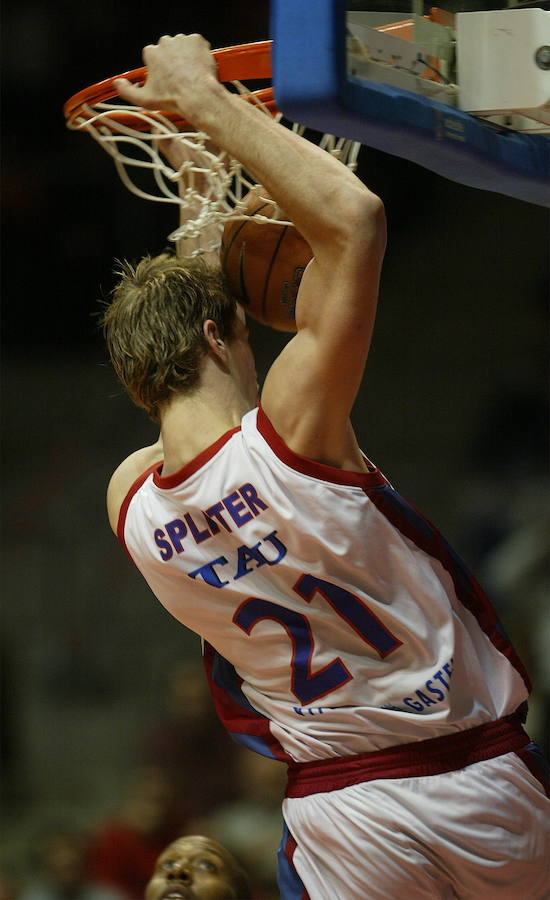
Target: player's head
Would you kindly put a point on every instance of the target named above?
(197, 868)
(154, 326)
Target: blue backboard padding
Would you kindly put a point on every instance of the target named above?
(312, 87)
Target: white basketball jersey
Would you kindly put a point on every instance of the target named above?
(336, 620)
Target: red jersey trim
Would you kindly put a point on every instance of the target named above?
(309, 466)
(431, 757)
(171, 481)
(126, 503)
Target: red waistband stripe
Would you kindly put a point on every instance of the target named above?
(431, 757)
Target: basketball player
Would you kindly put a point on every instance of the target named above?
(197, 868)
(341, 633)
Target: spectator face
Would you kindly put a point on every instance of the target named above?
(194, 868)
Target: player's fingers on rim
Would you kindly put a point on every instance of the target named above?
(171, 38)
(200, 39)
(148, 52)
(125, 88)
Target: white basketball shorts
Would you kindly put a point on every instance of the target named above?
(479, 833)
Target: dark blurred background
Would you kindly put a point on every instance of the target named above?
(453, 409)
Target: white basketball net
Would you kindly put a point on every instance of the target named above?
(209, 186)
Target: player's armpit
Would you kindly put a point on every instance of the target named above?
(310, 389)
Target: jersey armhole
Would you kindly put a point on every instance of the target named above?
(311, 467)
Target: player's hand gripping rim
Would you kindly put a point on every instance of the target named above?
(179, 69)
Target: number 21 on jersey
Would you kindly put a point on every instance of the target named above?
(309, 686)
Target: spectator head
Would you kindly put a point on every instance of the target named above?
(197, 868)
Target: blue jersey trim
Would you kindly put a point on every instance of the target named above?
(253, 743)
(290, 884)
(225, 676)
(417, 528)
(244, 723)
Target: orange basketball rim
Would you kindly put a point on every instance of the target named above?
(239, 63)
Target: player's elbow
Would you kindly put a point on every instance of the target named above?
(366, 220)
(355, 229)
(358, 222)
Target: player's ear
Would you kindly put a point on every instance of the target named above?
(213, 339)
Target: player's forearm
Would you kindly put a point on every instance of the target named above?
(319, 194)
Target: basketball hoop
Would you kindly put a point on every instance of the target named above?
(209, 186)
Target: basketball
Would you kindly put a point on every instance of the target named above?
(264, 264)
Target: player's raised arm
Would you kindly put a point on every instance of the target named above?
(311, 387)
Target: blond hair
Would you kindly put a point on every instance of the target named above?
(153, 325)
